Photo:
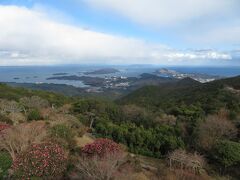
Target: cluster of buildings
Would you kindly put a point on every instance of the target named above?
(112, 82)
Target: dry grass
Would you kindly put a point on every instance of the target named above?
(132, 176)
(17, 117)
(85, 139)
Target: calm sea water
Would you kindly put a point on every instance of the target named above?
(39, 74)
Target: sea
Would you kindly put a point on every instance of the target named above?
(39, 74)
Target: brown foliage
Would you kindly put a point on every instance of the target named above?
(9, 106)
(17, 117)
(132, 111)
(214, 128)
(166, 119)
(18, 138)
(66, 108)
(46, 113)
(99, 168)
(188, 161)
(34, 102)
(178, 174)
(100, 160)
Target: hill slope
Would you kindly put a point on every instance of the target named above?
(209, 95)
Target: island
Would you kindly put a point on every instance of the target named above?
(60, 74)
(116, 82)
(102, 71)
(92, 81)
(203, 78)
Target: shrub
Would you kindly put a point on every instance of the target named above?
(17, 118)
(101, 147)
(5, 119)
(9, 106)
(5, 164)
(46, 160)
(18, 138)
(180, 158)
(214, 128)
(100, 160)
(34, 102)
(3, 127)
(34, 115)
(227, 153)
(62, 131)
(63, 135)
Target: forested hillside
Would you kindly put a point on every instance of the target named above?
(210, 97)
(177, 130)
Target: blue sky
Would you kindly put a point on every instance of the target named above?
(169, 32)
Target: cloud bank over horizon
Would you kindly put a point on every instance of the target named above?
(31, 37)
(165, 12)
(204, 21)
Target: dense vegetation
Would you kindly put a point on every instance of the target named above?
(12, 93)
(173, 120)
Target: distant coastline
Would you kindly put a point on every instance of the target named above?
(60, 74)
(102, 71)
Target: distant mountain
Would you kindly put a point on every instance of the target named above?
(166, 71)
(214, 94)
(180, 75)
(93, 81)
(188, 82)
(102, 71)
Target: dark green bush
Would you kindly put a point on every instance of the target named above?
(227, 153)
(156, 141)
(5, 164)
(34, 115)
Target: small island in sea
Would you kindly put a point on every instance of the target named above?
(103, 71)
(60, 74)
(203, 78)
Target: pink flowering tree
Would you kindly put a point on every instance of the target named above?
(100, 160)
(101, 147)
(17, 139)
(3, 127)
(46, 160)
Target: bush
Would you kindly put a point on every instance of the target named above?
(100, 160)
(34, 102)
(17, 118)
(3, 127)
(5, 119)
(227, 153)
(214, 128)
(17, 139)
(101, 147)
(62, 131)
(34, 115)
(46, 160)
(5, 164)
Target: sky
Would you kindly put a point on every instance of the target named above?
(159, 32)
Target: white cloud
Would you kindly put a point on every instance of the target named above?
(30, 37)
(198, 55)
(166, 12)
(219, 35)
